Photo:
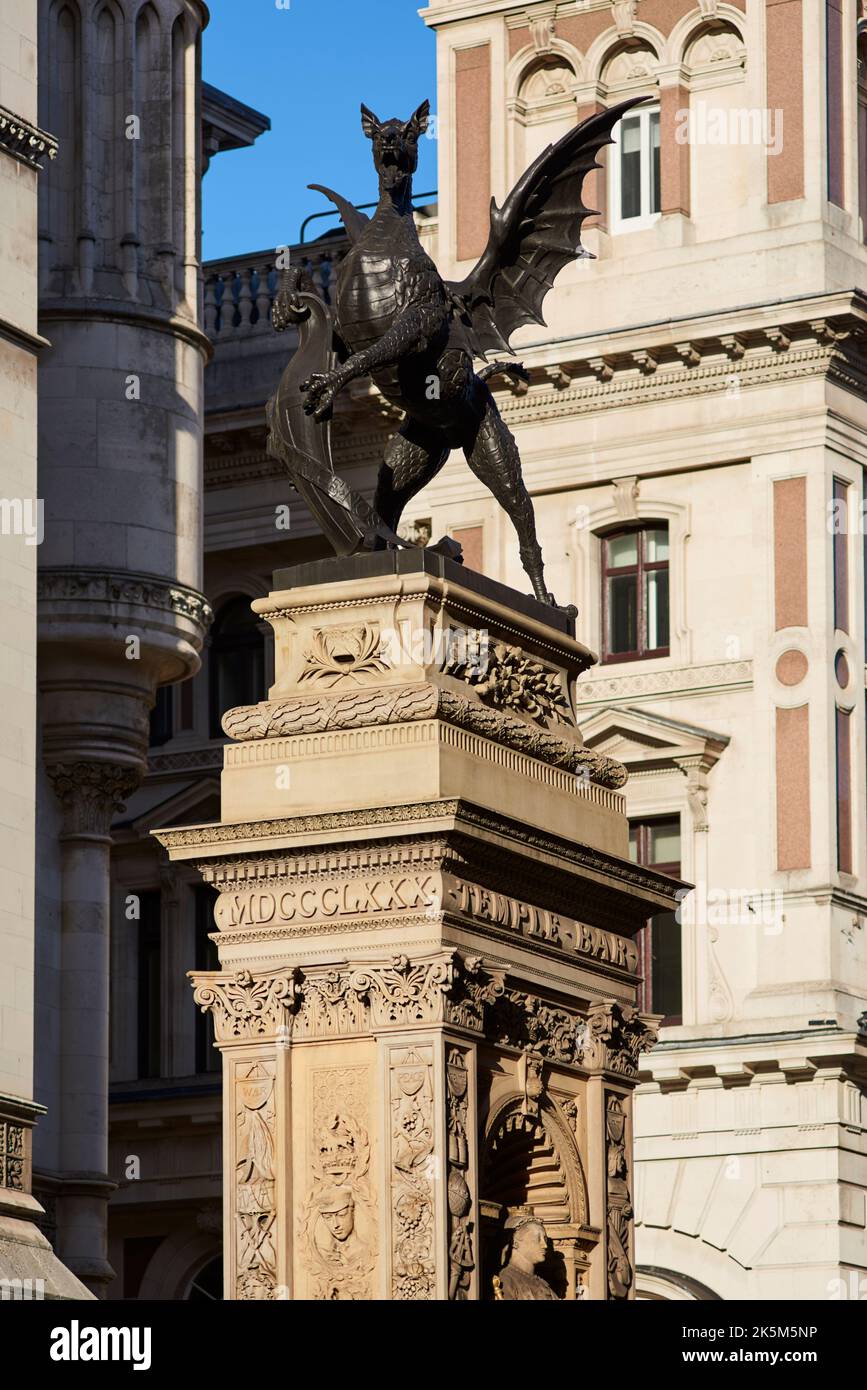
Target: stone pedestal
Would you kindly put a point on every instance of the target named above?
(426, 1001)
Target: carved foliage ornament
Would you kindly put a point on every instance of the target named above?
(614, 1038)
(343, 653)
(91, 793)
(11, 1155)
(512, 680)
(345, 1001)
(247, 1006)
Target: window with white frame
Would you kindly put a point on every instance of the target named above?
(634, 164)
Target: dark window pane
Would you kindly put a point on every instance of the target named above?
(657, 609)
(236, 661)
(149, 984)
(844, 794)
(161, 717)
(663, 841)
(623, 613)
(655, 200)
(630, 167)
(666, 984)
(656, 843)
(841, 557)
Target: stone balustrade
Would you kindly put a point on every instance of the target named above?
(240, 290)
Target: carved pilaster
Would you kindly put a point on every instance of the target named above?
(255, 1181)
(460, 1178)
(412, 1236)
(619, 1211)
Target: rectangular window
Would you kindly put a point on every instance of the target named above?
(207, 1056)
(656, 844)
(635, 601)
(149, 990)
(635, 171)
(844, 793)
(840, 514)
(161, 717)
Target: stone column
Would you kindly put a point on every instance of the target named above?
(426, 1003)
(89, 794)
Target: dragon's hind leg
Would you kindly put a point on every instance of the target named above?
(412, 457)
(493, 457)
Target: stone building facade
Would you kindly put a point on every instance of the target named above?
(28, 1267)
(693, 435)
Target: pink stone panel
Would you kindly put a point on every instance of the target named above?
(786, 93)
(793, 788)
(674, 156)
(471, 541)
(473, 148)
(790, 553)
(834, 86)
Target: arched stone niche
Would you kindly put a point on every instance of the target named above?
(529, 1159)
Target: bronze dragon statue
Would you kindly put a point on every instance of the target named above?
(417, 336)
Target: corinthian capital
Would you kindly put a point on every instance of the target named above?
(91, 794)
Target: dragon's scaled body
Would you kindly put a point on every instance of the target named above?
(396, 321)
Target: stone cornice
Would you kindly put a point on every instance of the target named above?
(80, 587)
(209, 842)
(25, 142)
(832, 348)
(121, 311)
(30, 342)
(664, 682)
(405, 704)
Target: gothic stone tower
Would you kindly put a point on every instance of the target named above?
(120, 608)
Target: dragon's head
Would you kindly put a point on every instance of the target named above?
(395, 144)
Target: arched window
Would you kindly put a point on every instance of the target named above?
(635, 608)
(236, 660)
(207, 1286)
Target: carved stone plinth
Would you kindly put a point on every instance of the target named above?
(426, 1001)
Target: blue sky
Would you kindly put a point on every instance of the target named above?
(308, 67)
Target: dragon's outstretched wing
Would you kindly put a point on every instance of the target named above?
(353, 220)
(533, 235)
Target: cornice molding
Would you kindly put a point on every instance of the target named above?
(25, 142)
(79, 586)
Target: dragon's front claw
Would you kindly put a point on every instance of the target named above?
(320, 390)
